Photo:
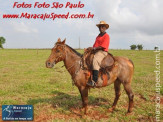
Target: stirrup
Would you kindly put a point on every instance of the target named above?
(94, 83)
(91, 83)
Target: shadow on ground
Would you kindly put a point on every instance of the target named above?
(67, 101)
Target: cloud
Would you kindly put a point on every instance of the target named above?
(139, 21)
(124, 16)
(131, 22)
(23, 28)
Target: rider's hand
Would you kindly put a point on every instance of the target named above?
(90, 48)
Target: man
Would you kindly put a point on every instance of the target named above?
(100, 46)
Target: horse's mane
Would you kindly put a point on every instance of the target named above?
(77, 53)
(74, 51)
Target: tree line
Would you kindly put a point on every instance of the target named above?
(140, 47)
(134, 47)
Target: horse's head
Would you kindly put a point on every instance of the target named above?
(57, 53)
(87, 58)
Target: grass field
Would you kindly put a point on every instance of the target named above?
(24, 79)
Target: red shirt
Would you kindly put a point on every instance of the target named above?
(102, 41)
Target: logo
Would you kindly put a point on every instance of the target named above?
(17, 112)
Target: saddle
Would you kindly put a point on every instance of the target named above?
(108, 62)
(106, 66)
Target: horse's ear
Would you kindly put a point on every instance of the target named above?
(64, 41)
(59, 40)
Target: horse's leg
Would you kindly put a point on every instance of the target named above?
(127, 87)
(117, 84)
(81, 95)
(84, 95)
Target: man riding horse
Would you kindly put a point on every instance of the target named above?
(100, 48)
(111, 69)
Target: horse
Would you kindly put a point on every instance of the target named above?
(121, 73)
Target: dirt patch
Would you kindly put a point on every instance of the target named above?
(75, 114)
(96, 115)
(44, 117)
(145, 119)
(161, 102)
(153, 98)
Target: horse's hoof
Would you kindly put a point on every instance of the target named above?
(82, 110)
(110, 110)
(129, 113)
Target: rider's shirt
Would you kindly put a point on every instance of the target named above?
(102, 40)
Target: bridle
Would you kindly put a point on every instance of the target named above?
(61, 55)
(65, 56)
(68, 68)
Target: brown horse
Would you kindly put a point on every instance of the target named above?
(121, 73)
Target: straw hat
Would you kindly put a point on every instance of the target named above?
(103, 23)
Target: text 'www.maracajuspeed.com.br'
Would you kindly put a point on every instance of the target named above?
(45, 16)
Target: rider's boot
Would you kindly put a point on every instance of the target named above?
(94, 80)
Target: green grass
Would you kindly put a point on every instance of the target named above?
(24, 79)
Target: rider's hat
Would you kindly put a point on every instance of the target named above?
(103, 23)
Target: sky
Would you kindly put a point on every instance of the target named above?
(131, 22)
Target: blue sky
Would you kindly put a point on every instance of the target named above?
(131, 22)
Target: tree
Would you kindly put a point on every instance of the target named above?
(156, 48)
(2, 41)
(133, 47)
(140, 46)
